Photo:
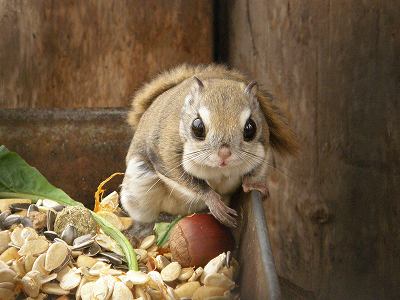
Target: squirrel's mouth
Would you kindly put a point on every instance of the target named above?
(222, 164)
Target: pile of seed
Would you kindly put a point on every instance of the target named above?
(36, 262)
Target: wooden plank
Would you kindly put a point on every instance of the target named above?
(95, 53)
(75, 149)
(334, 67)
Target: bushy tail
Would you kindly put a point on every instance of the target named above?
(282, 138)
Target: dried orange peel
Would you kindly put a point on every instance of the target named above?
(100, 191)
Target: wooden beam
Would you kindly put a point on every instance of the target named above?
(95, 53)
(334, 67)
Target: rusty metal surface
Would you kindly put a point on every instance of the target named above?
(75, 149)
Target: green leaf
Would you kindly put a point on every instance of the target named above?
(163, 230)
(160, 229)
(19, 180)
(117, 235)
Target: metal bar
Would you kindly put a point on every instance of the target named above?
(266, 257)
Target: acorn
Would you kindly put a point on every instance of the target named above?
(198, 238)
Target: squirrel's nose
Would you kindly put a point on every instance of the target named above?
(224, 152)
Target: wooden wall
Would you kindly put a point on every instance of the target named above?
(95, 53)
(334, 66)
(334, 212)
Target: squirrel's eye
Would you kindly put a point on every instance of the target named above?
(249, 131)
(198, 129)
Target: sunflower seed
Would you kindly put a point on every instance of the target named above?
(11, 220)
(122, 267)
(58, 208)
(26, 222)
(83, 245)
(103, 260)
(50, 203)
(69, 234)
(108, 243)
(82, 239)
(31, 209)
(93, 250)
(115, 259)
(141, 254)
(4, 215)
(161, 262)
(143, 268)
(51, 217)
(50, 235)
(58, 240)
(15, 207)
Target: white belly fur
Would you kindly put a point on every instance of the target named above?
(145, 194)
(225, 185)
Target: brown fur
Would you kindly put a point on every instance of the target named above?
(282, 138)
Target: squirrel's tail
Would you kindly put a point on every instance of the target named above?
(143, 98)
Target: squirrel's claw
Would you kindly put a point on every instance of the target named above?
(221, 211)
(260, 186)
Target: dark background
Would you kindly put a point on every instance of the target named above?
(333, 67)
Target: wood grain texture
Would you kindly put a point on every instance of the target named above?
(75, 149)
(334, 67)
(95, 53)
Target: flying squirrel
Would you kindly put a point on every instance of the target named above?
(200, 132)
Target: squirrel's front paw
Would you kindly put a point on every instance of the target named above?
(220, 210)
(250, 184)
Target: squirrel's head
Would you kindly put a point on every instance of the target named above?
(226, 127)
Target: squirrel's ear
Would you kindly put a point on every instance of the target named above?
(251, 88)
(281, 138)
(195, 90)
(197, 85)
(251, 91)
